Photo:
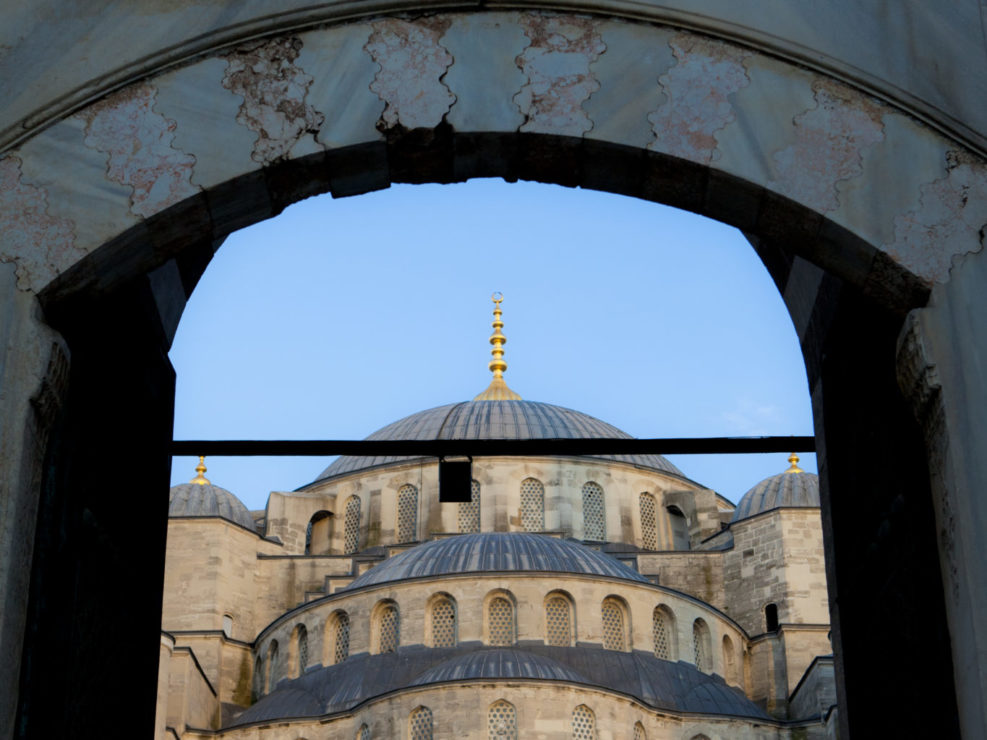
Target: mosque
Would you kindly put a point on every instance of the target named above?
(570, 597)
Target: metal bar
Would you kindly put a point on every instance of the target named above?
(493, 447)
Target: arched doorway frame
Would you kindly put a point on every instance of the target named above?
(464, 109)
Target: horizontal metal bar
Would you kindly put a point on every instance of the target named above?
(492, 447)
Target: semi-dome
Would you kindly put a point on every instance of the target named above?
(498, 663)
(793, 488)
(199, 497)
(496, 552)
(485, 419)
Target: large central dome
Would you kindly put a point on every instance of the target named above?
(495, 420)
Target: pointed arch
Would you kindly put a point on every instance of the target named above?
(583, 723)
(613, 614)
(701, 647)
(502, 721)
(420, 724)
(441, 621)
(559, 620)
(407, 513)
(532, 505)
(663, 632)
(386, 621)
(337, 637)
(351, 526)
(594, 513)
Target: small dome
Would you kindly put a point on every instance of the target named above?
(197, 499)
(499, 663)
(495, 420)
(496, 552)
(793, 488)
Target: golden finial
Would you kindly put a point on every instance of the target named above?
(201, 470)
(794, 460)
(497, 390)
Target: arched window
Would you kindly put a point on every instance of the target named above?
(532, 505)
(701, 646)
(680, 528)
(500, 621)
(583, 723)
(258, 682)
(594, 517)
(663, 631)
(338, 635)
(407, 513)
(273, 669)
(363, 733)
(388, 628)
(729, 660)
(351, 527)
(420, 724)
(502, 721)
(771, 617)
(649, 522)
(317, 533)
(612, 612)
(699, 737)
(469, 513)
(639, 733)
(442, 622)
(558, 621)
(301, 648)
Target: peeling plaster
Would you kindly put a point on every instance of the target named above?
(697, 89)
(828, 145)
(139, 144)
(39, 244)
(412, 64)
(951, 220)
(557, 64)
(273, 88)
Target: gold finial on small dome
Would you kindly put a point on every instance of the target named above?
(201, 470)
(497, 390)
(794, 460)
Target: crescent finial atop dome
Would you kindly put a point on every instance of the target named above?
(497, 390)
(200, 470)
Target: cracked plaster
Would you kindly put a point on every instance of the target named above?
(697, 92)
(828, 145)
(951, 220)
(412, 63)
(138, 141)
(557, 64)
(39, 244)
(274, 91)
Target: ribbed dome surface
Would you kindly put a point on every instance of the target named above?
(495, 420)
(784, 489)
(496, 552)
(501, 663)
(193, 499)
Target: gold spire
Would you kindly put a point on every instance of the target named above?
(201, 470)
(794, 460)
(497, 390)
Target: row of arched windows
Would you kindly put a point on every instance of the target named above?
(500, 629)
(532, 515)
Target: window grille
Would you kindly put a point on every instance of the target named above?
(659, 629)
(443, 623)
(502, 721)
(421, 724)
(407, 513)
(583, 723)
(363, 733)
(729, 660)
(532, 505)
(639, 733)
(558, 622)
(594, 522)
(302, 649)
(389, 626)
(258, 682)
(501, 617)
(469, 513)
(700, 644)
(341, 638)
(273, 669)
(351, 529)
(649, 522)
(613, 626)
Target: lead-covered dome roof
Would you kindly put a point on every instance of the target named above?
(205, 499)
(793, 488)
(496, 552)
(495, 420)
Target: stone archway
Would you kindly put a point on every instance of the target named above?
(111, 211)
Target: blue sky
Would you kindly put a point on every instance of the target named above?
(340, 316)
